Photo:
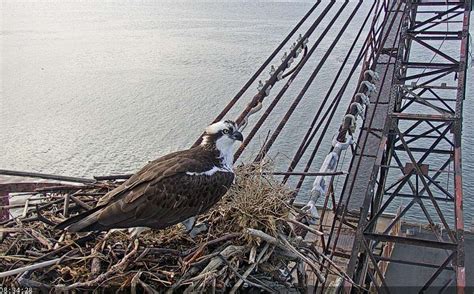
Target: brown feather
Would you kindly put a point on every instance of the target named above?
(161, 194)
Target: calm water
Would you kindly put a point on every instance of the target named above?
(101, 88)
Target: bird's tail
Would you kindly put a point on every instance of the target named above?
(84, 222)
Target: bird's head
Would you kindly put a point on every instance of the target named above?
(222, 135)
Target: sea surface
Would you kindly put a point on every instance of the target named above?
(101, 87)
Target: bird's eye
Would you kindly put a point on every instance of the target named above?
(225, 131)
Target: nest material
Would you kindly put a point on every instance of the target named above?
(250, 242)
(255, 201)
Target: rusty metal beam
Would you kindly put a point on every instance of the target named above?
(46, 176)
(459, 220)
(437, 16)
(409, 262)
(427, 117)
(6, 189)
(445, 126)
(437, 272)
(411, 241)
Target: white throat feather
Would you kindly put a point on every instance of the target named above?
(224, 146)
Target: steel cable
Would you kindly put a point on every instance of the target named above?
(308, 83)
(262, 67)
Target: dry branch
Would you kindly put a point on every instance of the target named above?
(29, 268)
(249, 241)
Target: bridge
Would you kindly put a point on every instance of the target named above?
(398, 91)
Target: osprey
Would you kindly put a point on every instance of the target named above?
(168, 190)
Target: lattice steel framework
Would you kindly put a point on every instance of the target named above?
(417, 156)
(419, 160)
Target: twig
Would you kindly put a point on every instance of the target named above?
(18, 238)
(62, 188)
(243, 278)
(157, 251)
(250, 269)
(80, 203)
(12, 230)
(302, 279)
(15, 257)
(272, 240)
(79, 241)
(66, 205)
(26, 208)
(304, 258)
(208, 243)
(263, 236)
(95, 264)
(30, 267)
(217, 262)
(42, 239)
(24, 281)
(45, 176)
(147, 288)
(312, 230)
(41, 217)
(341, 271)
(134, 282)
(119, 267)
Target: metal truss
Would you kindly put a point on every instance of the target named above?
(419, 160)
(420, 49)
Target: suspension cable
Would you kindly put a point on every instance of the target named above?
(258, 98)
(308, 83)
(300, 150)
(261, 68)
(261, 94)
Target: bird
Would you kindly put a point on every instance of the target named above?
(171, 189)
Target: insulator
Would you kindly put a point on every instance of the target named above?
(293, 46)
(280, 75)
(372, 74)
(290, 61)
(342, 145)
(350, 122)
(283, 58)
(363, 98)
(272, 71)
(267, 91)
(371, 88)
(310, 208)
(319, 185)
(298, 51)
(299, 38)
(260, 86)
(357, 110)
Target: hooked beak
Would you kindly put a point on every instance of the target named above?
(237, 136)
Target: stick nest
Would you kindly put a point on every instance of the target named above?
(244, 246)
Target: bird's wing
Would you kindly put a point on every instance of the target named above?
(149, 172)
(167, 202)
(160, 194)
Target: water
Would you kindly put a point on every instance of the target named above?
(94, 88)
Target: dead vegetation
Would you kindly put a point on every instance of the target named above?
(250, 244)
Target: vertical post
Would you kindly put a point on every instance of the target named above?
(4, 201)
(458, 195)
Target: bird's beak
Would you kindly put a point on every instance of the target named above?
(237, 136)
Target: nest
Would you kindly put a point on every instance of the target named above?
(250, 243)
